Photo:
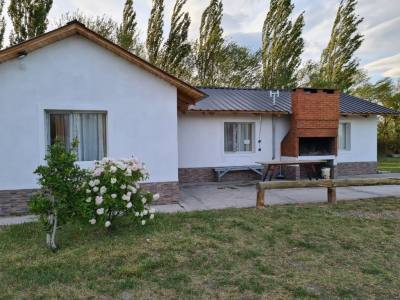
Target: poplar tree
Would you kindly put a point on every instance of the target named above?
(338, 67)
(2, 24)
(177, 48)
(155, 32)
(126, 33)
(210, 44)
(282, 45)
(29, 18)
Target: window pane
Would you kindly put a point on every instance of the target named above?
(238, 137)
(59, 128)
(344, 136)
(88, 128)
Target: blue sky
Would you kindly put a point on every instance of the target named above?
(243, 19)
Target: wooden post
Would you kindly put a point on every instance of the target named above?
(331, 195)
(260, 198)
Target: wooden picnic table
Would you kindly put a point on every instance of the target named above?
(310, 167)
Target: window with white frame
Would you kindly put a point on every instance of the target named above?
(344, 136)
(238, 137)
(88, 127)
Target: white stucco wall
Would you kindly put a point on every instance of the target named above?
(201, 140)
(363, 145)
(76, 74)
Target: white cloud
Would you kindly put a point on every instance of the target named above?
(388, 66)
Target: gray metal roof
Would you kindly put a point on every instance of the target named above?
(260, 100)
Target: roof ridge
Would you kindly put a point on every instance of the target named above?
(238, 88)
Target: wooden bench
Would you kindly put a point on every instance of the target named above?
(221, 171)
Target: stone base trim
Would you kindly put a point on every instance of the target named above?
(169, 191)
(202, 175)
(15, 202)
(356, 168)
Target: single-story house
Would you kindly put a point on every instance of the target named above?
(71, 82)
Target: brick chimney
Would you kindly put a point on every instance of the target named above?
(314, 123)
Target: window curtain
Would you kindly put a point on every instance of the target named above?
(89, 129)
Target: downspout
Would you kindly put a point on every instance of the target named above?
(273, 138)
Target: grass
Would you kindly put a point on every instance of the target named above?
(390, 164)
(349, 250)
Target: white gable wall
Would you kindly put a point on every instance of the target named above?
(76, 74)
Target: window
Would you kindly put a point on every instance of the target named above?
(88, 127)
(344, 136)
(239, 137)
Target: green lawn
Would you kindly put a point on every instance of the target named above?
(349, 250)
(390, 164)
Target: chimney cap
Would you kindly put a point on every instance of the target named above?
(316, 90)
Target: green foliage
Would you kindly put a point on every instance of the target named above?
(102, 25)
(387, 93)
(282, 45)
(60, 199)
(177, 48)
(29, 18)
(239, 67)
(126, 33)
(155, 32)
(210, 44)
(2, 24)
(338, 67)
(60, 179)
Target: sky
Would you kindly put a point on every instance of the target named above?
(243, 20)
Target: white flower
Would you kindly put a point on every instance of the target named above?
(107, 224)
(128, 172)
(123, 187)
(145, 212)
(144, 200)
(91, 183)
(83, 184)
(88, 199)
(100, 211)
(143, 222)
(126, 197)
(137, 214)
(96, 182)
(132, 189)
(137, 185)
(151, 217)
(113, 196)
(156, 197)
(97, 172)
(113, 180)
(152, 210)
(103, 190)
(92, 221)
(113, 169)
(95, 189)
(99, 200)
(88, 191)
(129, 205)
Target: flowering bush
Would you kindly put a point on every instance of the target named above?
(113, 189)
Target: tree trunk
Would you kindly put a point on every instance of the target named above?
(51, 234)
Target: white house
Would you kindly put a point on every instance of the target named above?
(72, 82)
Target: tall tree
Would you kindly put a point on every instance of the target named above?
(210, 43)
(29, 18)
(177, 48)
(338, 66)
(126, 34)
(155, 32)
(103, 25)
(2, 24)
(240, 67)
(282, 45)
